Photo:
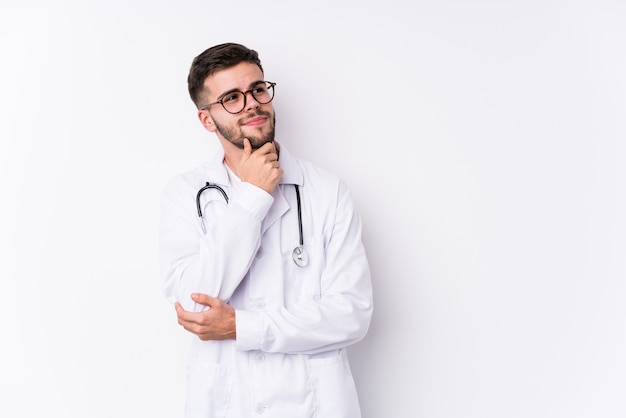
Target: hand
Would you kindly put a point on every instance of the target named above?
(217, 323)
(261, 167)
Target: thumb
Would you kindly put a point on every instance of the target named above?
(203, 299)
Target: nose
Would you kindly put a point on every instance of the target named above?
(250, 104)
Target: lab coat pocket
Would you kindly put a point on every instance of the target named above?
(333, 385)
(208, 389)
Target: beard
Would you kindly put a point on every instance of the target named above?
(235, 135)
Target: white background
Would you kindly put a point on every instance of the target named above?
(484, 142)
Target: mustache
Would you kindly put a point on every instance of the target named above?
(254, 114)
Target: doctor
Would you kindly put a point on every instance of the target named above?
(261, 254)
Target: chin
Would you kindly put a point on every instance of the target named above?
(256, 144)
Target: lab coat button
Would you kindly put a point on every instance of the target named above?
(259, 253)
(259, 409)
(260, 356)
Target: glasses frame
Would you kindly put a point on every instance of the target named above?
(269, 84)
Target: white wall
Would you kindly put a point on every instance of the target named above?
(484, 143)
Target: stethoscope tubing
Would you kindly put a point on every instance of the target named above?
(299, 255)
(208, 186)
(299, 214)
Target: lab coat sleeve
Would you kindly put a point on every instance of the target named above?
(340, 316)
(214, 263)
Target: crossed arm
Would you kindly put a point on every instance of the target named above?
(216, 323)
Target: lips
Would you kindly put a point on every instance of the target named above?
(256, 121)
(255, 118)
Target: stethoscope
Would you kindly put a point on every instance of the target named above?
(299, 255)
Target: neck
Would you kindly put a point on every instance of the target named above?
(232, 163)
(232, 155)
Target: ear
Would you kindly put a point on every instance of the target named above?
(206, 120)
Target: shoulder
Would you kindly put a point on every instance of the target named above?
(187, 178)
(304, 172)
(211, 170)
(182, 185)
(317, 172)
(322, 185)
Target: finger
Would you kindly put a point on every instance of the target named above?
(268, 152)
(179, 309)
(267, 148)
(180, 314)
(185, 316)
(189, 320)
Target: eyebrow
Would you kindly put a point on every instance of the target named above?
(254, 83)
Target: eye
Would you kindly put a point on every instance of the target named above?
(260, 89)
(231, 98)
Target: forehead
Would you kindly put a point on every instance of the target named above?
(239, 77)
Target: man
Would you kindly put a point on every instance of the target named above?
(262, 255)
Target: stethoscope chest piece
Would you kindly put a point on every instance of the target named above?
(300, 257)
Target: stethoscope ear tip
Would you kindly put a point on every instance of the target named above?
(300, 257)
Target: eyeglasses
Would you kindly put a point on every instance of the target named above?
(235, 101)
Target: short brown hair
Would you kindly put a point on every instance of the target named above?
(216, 58)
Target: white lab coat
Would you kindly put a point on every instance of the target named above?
(293, 323)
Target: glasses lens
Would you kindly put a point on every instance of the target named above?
(263, 92)
(234, 102)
